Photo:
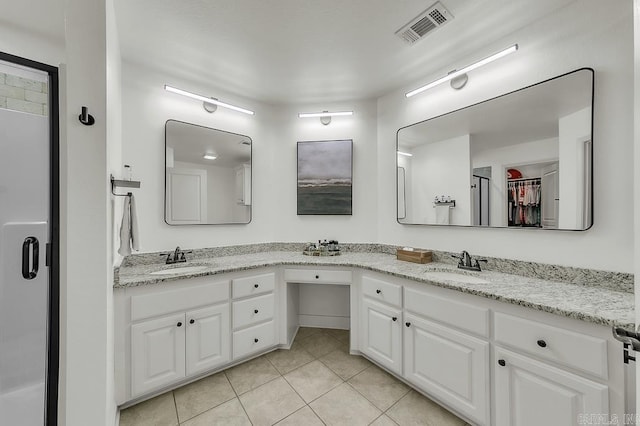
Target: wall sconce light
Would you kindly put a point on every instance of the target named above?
(459, 78)
(209, 104)
(325, 116)
(406, 154)
(210, 156)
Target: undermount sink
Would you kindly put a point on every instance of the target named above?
(454, 276)
(179, 270)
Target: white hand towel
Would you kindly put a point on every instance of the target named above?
(442, 215)
(129, 228)
(135, 236)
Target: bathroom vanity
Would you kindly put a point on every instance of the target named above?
(495, 348)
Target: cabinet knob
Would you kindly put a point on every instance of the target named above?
(542, 343)
(255, 311)
(179, 324)
(378, 291)
(317, 277)
(408, 324)
(191, 321)
(394, 318)
(256, 285)
(502, 362)
(255, 340)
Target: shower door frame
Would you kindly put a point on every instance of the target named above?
(53, 246)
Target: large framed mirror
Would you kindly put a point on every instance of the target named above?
(207, 175)
(520, 160)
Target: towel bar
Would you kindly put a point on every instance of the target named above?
(115, 183)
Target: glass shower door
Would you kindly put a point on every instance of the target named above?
(24, 234)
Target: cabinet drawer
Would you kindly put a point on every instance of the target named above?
(462, 315)
(382, 291)
(254, 310)
(183, 299)
(255, 284)
(319, 276)
(253, 339)
(574, 350)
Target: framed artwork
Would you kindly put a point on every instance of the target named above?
(324, 177)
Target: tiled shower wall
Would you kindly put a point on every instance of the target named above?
(23, 94)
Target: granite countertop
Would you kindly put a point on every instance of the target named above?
(592, 303)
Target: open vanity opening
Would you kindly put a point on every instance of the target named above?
(319, 298)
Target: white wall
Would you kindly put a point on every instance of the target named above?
(562, 42)
(114, 164)
(437, 169)
(274, 131)
(288, 130)
(508, 157)
(574, 130)
(636, 162)
(86, 268)
(146, 108)
(32, 46)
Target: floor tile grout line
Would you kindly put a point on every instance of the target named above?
(215, 406)
(175, 406)
(320, 396)
(238, 397)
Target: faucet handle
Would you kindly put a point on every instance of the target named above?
(478, 263)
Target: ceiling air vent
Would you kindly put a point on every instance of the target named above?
(423, 24)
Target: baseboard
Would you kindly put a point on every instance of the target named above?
(320, 321)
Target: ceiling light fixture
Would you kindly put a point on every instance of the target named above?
(209, 104)
(209, 156)
(406, 154)
(459, 78)
(325, 116)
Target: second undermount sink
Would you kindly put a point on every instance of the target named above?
(180, 270)
(454, 276)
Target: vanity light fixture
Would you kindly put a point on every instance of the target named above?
(325, 116)
(209, 156)
(459, 78)
(209, 104)
(406, 154)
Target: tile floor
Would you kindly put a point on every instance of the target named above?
(316, 382)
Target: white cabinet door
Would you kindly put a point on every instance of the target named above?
(208, 338)
(157, 353)
(382, 334)
(530, 393)
(450, 365)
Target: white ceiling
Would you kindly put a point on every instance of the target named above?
(310, 51)
(295, 51)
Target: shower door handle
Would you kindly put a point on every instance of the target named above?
(29, 272)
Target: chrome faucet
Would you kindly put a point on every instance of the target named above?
(466, 262)
(178, 256)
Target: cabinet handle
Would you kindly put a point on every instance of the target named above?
(255, 340)
(317, 277)
(378, 291)
(542, 343)
(179, 324)
(502, 362)
(256, 285)
(255, 311)
(395, 318)
(191, 321)
(408, 324)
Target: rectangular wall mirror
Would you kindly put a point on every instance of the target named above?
(520, 160)
(207, 175)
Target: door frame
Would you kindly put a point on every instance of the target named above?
(53, 246)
